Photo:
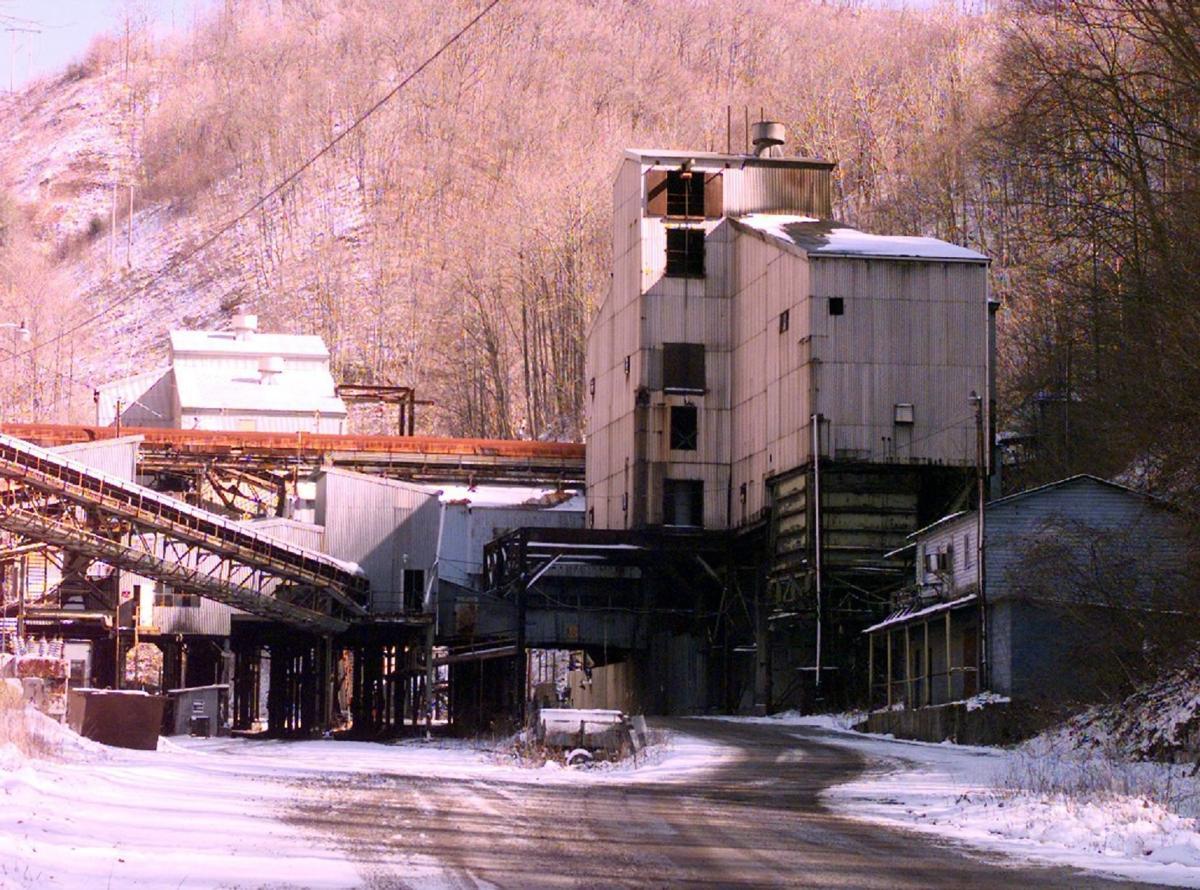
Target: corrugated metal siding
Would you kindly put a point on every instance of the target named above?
(304, 534)
(264, 423)
(117, 457)
(209, 618)
(912, 332)
(384, 525)
(803, 191)
(770, 369)
(146, 400)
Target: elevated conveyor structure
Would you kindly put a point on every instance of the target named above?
(416, 458)
(57, 501)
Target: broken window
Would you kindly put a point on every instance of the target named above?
(669, 193)
(414, 590)
(683, 367)
(685, 193)
(837, 306)
(685, 252)
(785, 318)
(685, 421)
(683, 502)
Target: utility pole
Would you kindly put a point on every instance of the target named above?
(816, 455)
(13, 30)
(129, 232)
(980, 549)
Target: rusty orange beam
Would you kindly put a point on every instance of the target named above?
(47, 434)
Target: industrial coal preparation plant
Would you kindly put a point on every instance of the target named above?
(774, 402)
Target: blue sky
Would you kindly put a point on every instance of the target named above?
(67, 27)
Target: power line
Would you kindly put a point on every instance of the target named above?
(174, 263)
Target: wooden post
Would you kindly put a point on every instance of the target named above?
(908, 691)
(889, 668)
(926, 686)
(949, 675)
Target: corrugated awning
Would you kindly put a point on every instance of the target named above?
(910, 613)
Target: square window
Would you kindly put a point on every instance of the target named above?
(784, 320)
(685, 433)
(837, 305)
(685, 193)
(683, 367)
(685, 252)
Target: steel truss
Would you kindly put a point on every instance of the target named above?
(55, 501)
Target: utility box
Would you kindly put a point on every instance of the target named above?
(198, 711)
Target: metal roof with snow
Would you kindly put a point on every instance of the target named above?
(292, 392)
(813, 237)
(911, 613)
(248, 346)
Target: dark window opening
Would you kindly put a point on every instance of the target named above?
(177, 600)
(837, 305)
(683, 367)
(685, 194)
(414, 590)
(668, 193)
(784, 320)
(685, 252)
(685, 432)
(683, 502)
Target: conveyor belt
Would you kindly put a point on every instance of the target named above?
(341, 585)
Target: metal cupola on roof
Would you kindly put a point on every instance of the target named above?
(768, 137)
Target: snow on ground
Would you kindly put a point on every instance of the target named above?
(107, 817)
(1121, 819)
(208, 812)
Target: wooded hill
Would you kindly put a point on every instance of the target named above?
(459, 240)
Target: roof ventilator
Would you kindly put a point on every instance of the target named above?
(269, 369)
(768, 137)
(244, 326)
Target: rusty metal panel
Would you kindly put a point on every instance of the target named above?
(714, 202)
(804, 191)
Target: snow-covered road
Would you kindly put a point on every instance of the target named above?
(1011, 802)
(726, 804)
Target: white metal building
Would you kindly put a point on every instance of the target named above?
(239, 380)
